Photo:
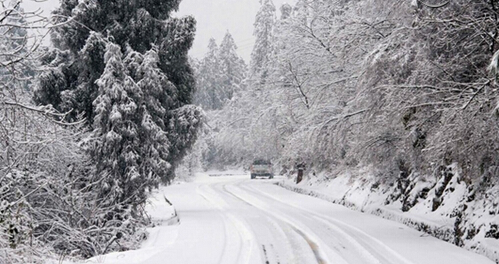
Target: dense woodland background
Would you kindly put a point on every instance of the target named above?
(89, 125)
(403, 86)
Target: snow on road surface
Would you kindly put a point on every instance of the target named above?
(232, 219)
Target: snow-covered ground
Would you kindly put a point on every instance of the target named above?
(447, 207)
(232, 219)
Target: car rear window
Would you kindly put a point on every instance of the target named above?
(261, 162)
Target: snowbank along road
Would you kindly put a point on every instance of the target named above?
(232, 219)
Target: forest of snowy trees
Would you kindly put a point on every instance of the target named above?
(405, 86)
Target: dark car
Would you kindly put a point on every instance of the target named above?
(261, 167)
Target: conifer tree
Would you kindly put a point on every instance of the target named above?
(209, 94)
(116, 150)
(123, 65)
(233, 68)
(264, 23)
(219, 74)
(134, 26)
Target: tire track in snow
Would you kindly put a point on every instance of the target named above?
(199, 192)
(264, 250)
(358, 238)
(313, 246)
(245, 245)
(273, 223)
(366, 241)
(317, 251)
(265, 256)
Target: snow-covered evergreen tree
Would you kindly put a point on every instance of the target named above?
(209, 94)
(164, 76)
(126, 23)
(116, 150)
(220, 79)
(264, 24)
(219, 74)
(123, 65)
(233, 69)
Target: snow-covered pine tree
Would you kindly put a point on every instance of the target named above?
(241, 128)
(219, 75)
(233, 69)
(115, 151)
(264, 23)
(133, 25)
(137, 27)
(209, 94)
(159, 95)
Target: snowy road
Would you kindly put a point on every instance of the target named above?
(232, 219)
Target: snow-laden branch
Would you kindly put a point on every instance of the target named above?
(475, 94)
(47, 111)
(299, 85)
(9, 11)
(345, 116)
(440, 5)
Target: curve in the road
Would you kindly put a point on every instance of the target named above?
(315, 244)
(364, 244)
(357, 246)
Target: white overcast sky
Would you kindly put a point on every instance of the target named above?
(214, 18)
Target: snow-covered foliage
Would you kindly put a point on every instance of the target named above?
(39, 179)
(232, 67)
(113, 120)
(36, 149)
(210, 93)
